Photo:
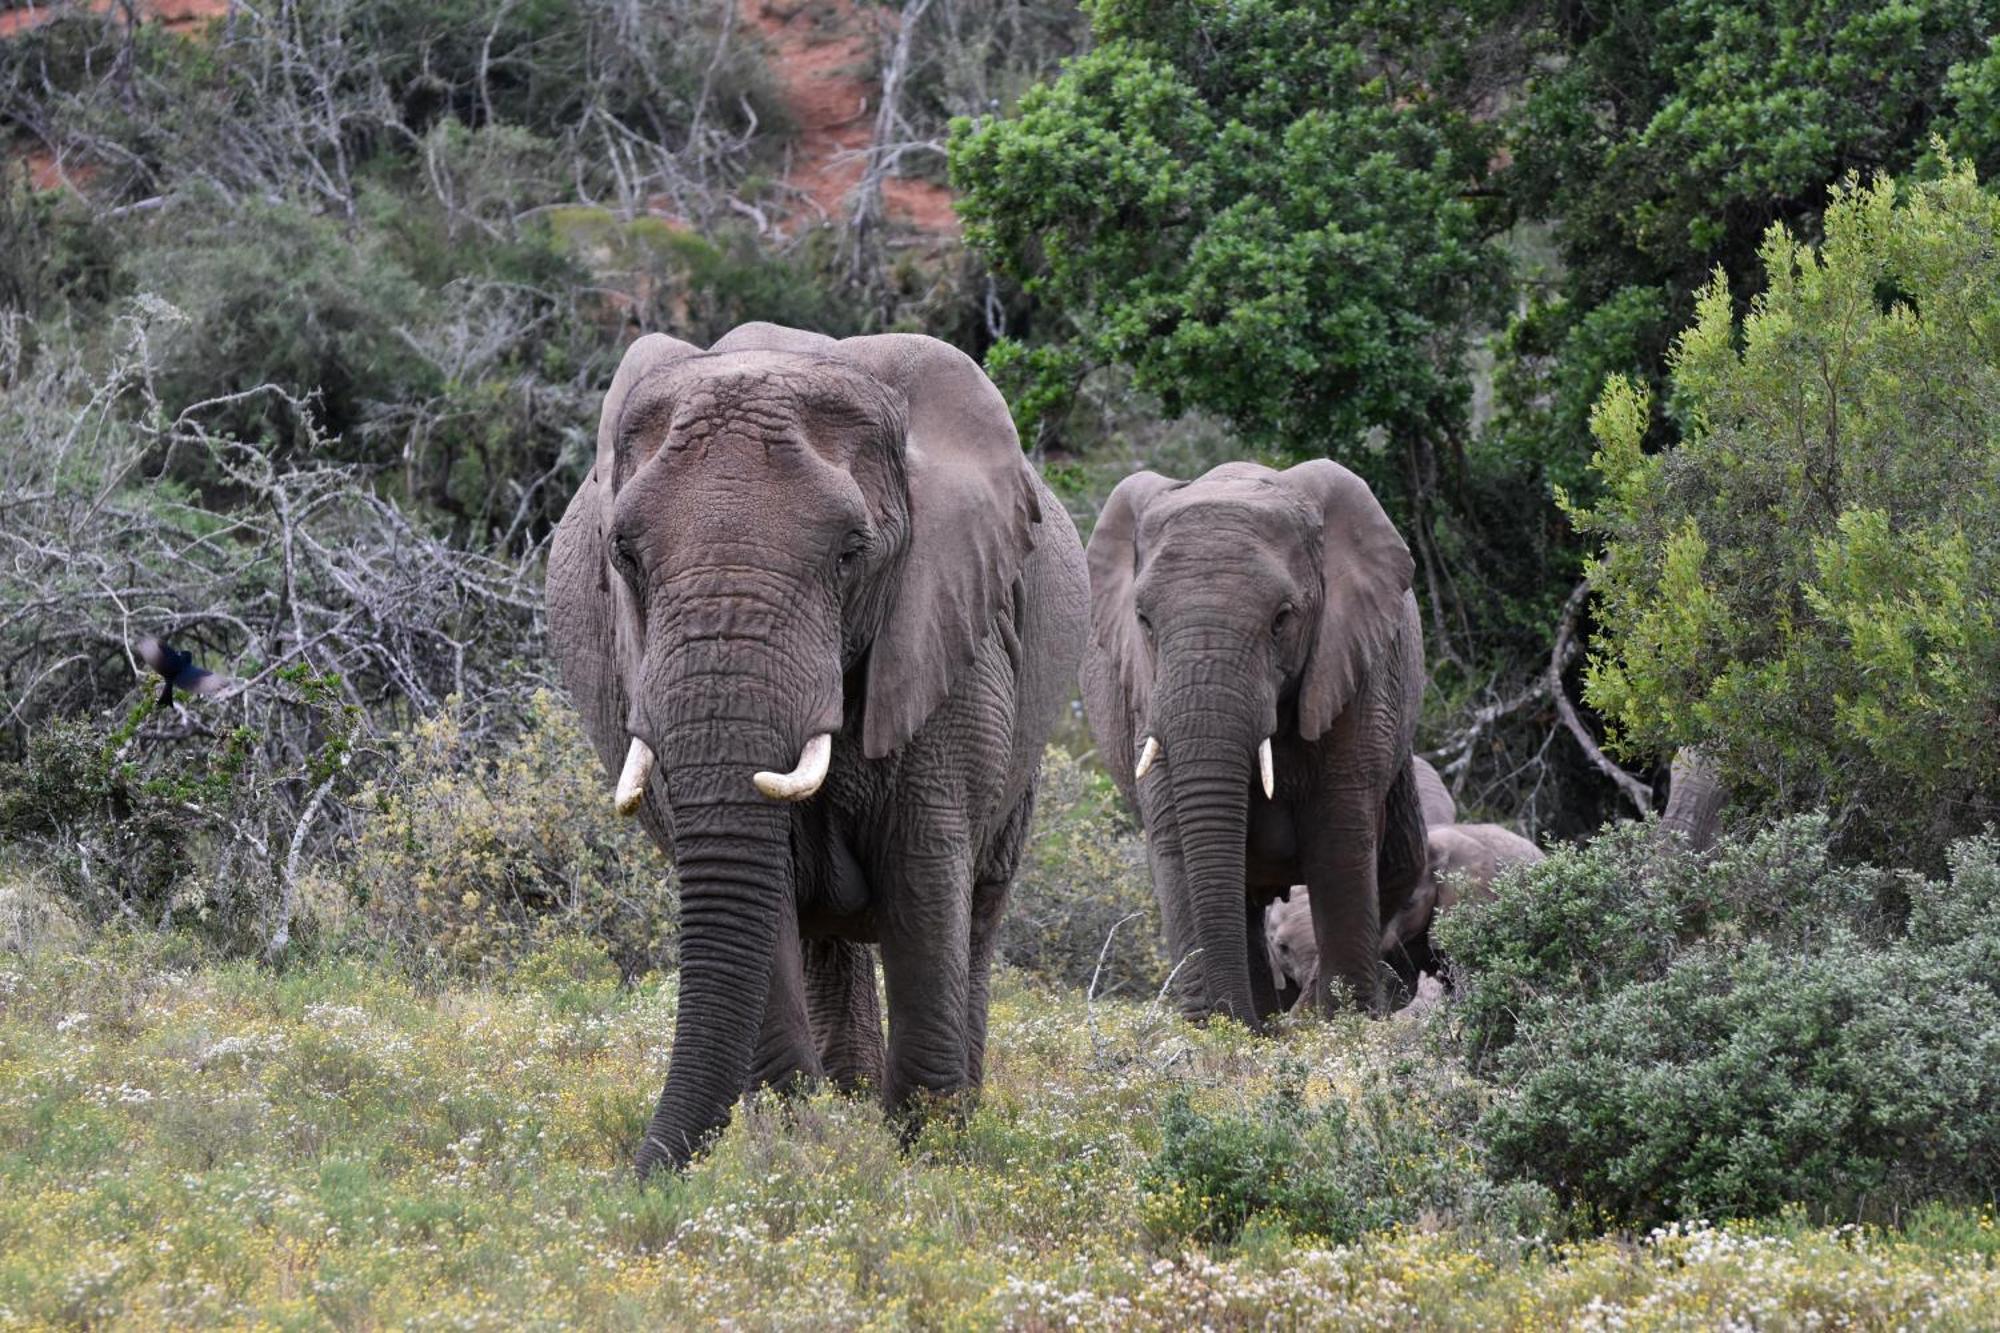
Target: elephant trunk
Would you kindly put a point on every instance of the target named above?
(1210, 768)
(734, 857)
(729, 713)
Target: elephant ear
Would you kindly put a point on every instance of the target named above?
(972, 523)
(642, 358)
(1365, 571)
(1113, 557)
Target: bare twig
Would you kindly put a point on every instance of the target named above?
(1635, 791)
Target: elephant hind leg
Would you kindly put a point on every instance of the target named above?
(845, 1012)
(1402, 853)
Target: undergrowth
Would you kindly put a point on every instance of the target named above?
(185, 1141)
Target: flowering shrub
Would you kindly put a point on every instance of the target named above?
(473, 858)
(1329, 1169)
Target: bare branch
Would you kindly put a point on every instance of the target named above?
(1637, 792)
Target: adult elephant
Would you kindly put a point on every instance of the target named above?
(1252, 680)
(819, 616)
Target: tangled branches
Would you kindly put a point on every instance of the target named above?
(341, 618)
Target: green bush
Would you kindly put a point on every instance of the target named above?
(1084, 873)
(1326, 1169)
(473, 859)
(1233, 202)
(1808, 586)
(1679, 1036)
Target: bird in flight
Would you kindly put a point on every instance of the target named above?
(178, 668)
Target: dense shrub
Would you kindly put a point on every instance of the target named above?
(1326, 1169)
(1808, 586)
(1083, 875)
(1678, 1036)
(473, 856)
(299, 97)
(1233, 202)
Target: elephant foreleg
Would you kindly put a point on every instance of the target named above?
(784, 1041)
(1169, 875)
(846, 1016)
(1340, 868)
(989, 902)
(926, 928)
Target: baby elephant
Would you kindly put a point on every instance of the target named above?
(1464, 860)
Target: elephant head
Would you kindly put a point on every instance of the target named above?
(1288, 942)
(1235, 607)
(797, 544)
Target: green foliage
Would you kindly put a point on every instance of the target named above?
(135, 829)
(1664, 141)
(1231, 201)
(1677, 1036)
(1083, 892)
(703, 284)
(1805, 587)
(470, 859)
(1331, 1170)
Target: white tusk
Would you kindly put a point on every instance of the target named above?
(632, 782)
(804, 780)
(1266, 771)
(1147, 755)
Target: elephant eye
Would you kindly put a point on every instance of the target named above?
(1146, 626)
(1281, 621)
(621, 554)
(851, 552)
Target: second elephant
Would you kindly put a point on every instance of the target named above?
(1462, 863)
(1252, 679)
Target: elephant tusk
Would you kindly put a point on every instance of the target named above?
(804, 780)
(1266, 770)
(1147, 754)
(632, 782)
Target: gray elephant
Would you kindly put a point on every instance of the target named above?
(1252, 680)
(1463, 862)
(1439, 808)
(819, 616)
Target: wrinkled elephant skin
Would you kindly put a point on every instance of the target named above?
(819, 617)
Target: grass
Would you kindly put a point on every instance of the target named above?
(184, 1142)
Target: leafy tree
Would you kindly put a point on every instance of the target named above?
(1660, 141)
(1237, 203)
(1668, 138)
(1808, 587)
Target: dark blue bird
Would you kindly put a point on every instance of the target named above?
(178, 668)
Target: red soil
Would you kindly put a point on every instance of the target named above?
(175, 15)
(821, 53)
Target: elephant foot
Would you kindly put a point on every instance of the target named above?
(924, 1108)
